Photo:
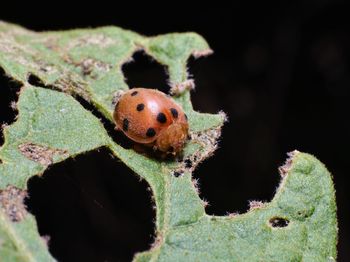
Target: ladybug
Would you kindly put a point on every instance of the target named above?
(149, 117)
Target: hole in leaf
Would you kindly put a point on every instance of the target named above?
(8, 97)
(278, 222)
(146, 72)
(92, 208)
(207, 74)
(230, 178)
(177, 174)
(35, 81)
(188, 163)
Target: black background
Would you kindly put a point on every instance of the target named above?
(280, 72)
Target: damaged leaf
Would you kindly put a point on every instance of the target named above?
(12, 203)
(19, 240)
(54, 68)
(41, 154)
(299, 224)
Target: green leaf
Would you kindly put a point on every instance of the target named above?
(51, 127)
(19, 241)
(299, 224)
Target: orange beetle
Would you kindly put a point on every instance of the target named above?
(150, 117)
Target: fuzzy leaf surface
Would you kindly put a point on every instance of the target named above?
(55, 68)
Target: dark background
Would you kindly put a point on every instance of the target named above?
(280, 72)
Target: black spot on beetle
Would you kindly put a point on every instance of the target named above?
(174, 112)
(150, 132)
(186, 117)
(161, 118)
(134, 93)
(140, 107)
(125, 124)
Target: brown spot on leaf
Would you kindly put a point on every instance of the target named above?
(208, 140)
(116, 96)
(202, 53)
(46, 239)
(71, 85)
(68, 83)
(205, 203)
(41, 154)
(255, 204)
(11, 202)
(233, 214)
(88, 65)
(99, 39)
(283, 170)
(51, 43)
(157, 241)
(3, 126)
(179, 88)
(195, 183)
(13, 105)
